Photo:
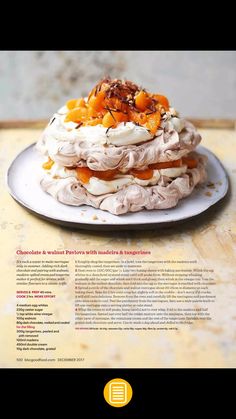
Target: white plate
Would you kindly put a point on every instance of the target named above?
(23, 182)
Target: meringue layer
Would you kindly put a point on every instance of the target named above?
(132, 197)
(134, 148)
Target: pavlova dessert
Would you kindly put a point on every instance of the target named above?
(121, 149)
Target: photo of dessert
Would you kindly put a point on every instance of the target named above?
(122, 149)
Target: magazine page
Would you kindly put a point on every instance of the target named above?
(117, 219)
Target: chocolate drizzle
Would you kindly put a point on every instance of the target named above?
(124, 91)
(53, 119)
(108, 129)
(79, 125)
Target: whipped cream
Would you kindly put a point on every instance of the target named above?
(124, 134)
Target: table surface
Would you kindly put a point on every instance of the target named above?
(210, 239)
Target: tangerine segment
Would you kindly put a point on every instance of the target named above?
(84, 174)
(111, 118)
(108, 120)
(96, 102)
(105, 174)
(166, 164)
(77, 115)
(94, 121)
(75, 103)
(142, 100)
(92, 113)
(48, 164)
(120, 116)
(70, 104)
(142, 174)
(153, 122)
(80, 103)
(137, 117)
(162, 100)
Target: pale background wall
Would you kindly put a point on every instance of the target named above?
(33, 84)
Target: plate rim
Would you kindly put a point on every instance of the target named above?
(103, 226)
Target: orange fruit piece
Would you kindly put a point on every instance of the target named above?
(70, 104)
(166, 164)
(138, 117)
(142, 100)
(75, 103)
(84, 174)
(96, 102)
(80, 103)
(142, 174)
(163, 101)
(106, 174)
(76, 115)
(191, 163)
(153, 122)
(94, 121)
(120, 116)
(48, 164)
(111, 119)
(92, 113)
